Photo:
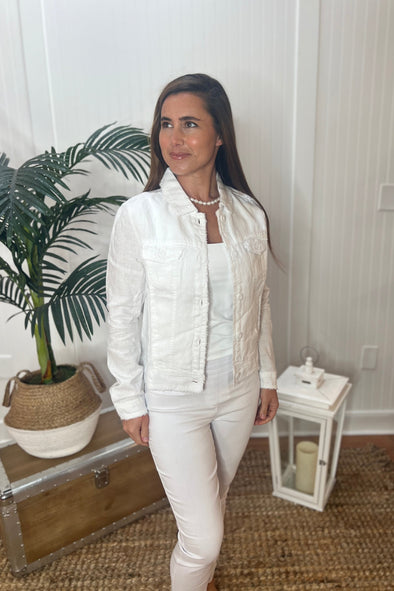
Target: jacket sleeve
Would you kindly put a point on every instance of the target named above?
(267, 370)
(125, 300)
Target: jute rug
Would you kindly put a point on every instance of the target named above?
(270, 544)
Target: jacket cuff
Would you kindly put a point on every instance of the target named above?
(131, 409)
(268, 380)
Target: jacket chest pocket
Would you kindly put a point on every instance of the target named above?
(164, 273)
(163, 266)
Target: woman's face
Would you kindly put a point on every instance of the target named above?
(188, 139)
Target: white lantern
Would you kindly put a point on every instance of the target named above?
(305, 436)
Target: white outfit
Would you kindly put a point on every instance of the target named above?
(197, 443)
(158, 299)
(173, 302)
(220, 293)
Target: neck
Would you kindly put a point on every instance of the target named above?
(203, 188)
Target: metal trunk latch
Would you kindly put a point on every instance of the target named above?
(101, 476)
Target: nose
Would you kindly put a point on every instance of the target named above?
(177, 135)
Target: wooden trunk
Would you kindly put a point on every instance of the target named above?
(51, 507)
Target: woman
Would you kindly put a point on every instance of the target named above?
(189, 319)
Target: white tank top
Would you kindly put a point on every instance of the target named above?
(220, 287)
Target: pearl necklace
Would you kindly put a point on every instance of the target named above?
(205, 202)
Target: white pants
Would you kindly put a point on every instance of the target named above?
(197, 442)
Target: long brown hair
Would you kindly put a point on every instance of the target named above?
(227, 163)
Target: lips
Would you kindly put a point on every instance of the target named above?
(179, 155)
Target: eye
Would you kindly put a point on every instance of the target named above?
(165, 124)
(190, 124)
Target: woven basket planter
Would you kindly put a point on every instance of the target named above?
(54, 420)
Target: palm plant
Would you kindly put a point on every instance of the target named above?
(39, 226)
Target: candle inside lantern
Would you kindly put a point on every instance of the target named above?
(306, 462)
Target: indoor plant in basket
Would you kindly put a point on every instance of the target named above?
(54, 411)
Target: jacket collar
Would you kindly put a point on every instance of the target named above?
(177, 198)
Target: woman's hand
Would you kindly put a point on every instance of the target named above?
(268, 406)
(138, 429)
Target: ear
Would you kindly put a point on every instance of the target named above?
(219, 141)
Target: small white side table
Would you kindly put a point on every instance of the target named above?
(305, 438)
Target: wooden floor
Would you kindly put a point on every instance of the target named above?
(384, 441)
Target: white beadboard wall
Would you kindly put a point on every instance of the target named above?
(16, 136)
(351, 292)
(72, 66)
(312, 92)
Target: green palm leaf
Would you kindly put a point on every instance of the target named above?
(4, 266)
(122, 148)
(57, 230)
(22, 195)
(3, 160)
(79, 301)
(40, 228)
(12, 292)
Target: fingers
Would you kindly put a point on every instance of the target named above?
(138, 429)
(268, 406)
(145, 429)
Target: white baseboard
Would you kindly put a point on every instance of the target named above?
(369, 422)
(357, 422)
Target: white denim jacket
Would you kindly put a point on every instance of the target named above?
(157, 293)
